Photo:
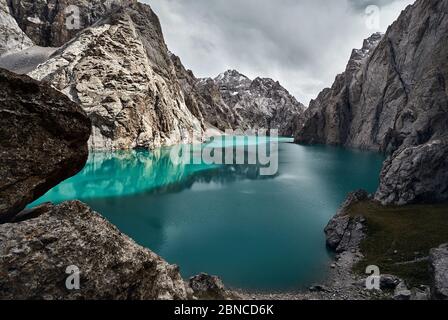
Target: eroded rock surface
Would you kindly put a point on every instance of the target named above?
(416, 174)
(233, 101)
(120, 72)
(34, 256)
(261, 103)
(51, 23)
(207, 287)
(43, 139)
(345, 232)
(439, 266)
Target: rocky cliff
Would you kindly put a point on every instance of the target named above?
(392, 98)
(12, 38)
(260, 103)
(120, 72)
(51, 23)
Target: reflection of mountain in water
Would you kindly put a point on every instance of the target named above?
(133, 172)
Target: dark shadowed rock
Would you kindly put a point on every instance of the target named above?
(402, 293)
(389, 282)
(43, 139)
(438, 260)
(34, 256)
(344, 232)
(45, 21)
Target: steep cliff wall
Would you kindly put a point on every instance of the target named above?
(393, 97)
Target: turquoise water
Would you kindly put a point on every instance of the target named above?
(255, 232)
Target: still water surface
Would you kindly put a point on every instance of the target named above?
(255, 232)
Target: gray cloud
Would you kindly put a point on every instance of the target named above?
(301, 43)
(360, 5)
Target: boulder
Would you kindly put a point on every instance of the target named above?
(43, 139)
(402, 293)
(389, 282)
(206, 287)
(422, 293)
(438, 260)
(37, 255)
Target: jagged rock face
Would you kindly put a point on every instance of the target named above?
(438, 260)
(215, 110)
(43, 140)
(259, 104)
(12, 38)
(416, 174)
(35, 254)
(233, 101)
(204, 99)
(393, 91)
(120, 72)
(328, 118)
(46, 21)
(392, 96)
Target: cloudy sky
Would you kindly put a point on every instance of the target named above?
(301, 43)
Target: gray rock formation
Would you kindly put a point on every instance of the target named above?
(203, 98)
(233, 101)
(416, 174)
(12, 38)
(35, 255)
(43, 139)
(51, 23)
(392, 95)
(402, 293)
(257, 104)
(345, 232)
(206, 287)
(439, 266)
(121, 73)
(389, 282)
(329, 118)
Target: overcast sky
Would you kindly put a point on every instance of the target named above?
(301, 43)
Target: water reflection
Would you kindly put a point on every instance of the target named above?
(128, 173)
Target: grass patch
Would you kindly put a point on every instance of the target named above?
(400, 238)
